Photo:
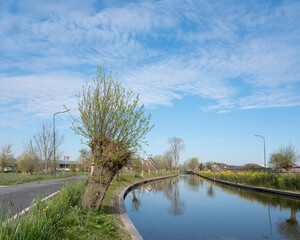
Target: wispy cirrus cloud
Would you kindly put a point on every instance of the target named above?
(235, 55)
(38, 96)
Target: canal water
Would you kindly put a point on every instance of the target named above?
(190, 207)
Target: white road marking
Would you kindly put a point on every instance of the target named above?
(28, 208)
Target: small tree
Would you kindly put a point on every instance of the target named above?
(40, 146)
(201, 166)
(114, 126)
(72, 167)
(185, 166)
(168, 160)
(6, 156)
(192, 163)
(209, 165)
(27, 163)
(85, 157)
(159, 161)
(284, 158)
(136, 164)
(177, 145)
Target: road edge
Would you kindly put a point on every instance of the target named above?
(31, 206)
(47, 198)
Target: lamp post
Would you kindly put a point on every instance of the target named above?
(256, 135)
(54, 137)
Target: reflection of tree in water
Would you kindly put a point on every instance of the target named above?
(135, 206)
(210, 191)
(171, 191)
(193, 182)
(289, 228)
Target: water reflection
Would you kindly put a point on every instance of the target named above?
(172, 193)
(136, 203)
(193, 182)
(287, 228)
(189, 203)
(210, 191)
(169, 188)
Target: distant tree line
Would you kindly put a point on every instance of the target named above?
(168, 161)
(38, 152)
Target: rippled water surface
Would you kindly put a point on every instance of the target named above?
(190, 207)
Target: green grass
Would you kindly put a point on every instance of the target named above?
(63, 217)
(13, 178)
(45, 220)
(106, 222)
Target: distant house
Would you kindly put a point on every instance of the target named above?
(12, 167)
(196, 169)
(294, 169)
(65, 165)
(218, 167)
(149, 164)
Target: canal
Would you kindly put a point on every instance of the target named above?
(190, 207)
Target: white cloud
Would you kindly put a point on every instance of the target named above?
(174, 78)
(283, 97)
(37, 95)
(236, 56)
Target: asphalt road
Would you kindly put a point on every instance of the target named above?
(20, 196)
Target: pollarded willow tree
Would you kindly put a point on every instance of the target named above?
(115, 127)
(285, 157)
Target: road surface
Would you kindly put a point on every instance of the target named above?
(20, 196)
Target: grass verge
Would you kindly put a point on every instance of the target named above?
(106, 222)
(260, 179)
(14, 178)
(63, 217)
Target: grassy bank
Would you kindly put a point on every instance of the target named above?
(13, 178)
(268, 180)
(105, 223)
(63, 217)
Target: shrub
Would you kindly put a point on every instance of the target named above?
(27, 163)
(73, 168)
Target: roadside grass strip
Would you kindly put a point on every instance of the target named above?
(32, 205)
(44, 220)
(14, 178)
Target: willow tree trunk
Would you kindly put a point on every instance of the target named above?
(97, 185)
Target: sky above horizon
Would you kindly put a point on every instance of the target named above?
(213, 73)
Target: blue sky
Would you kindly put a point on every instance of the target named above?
(213, 73)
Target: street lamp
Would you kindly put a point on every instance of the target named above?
(256, 135)
(54, 137)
